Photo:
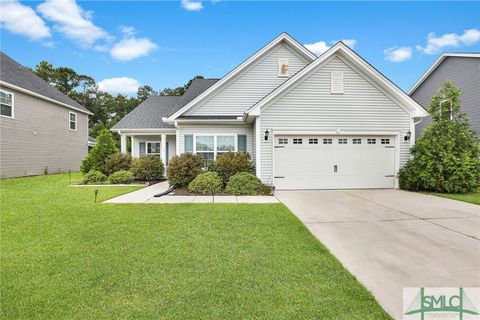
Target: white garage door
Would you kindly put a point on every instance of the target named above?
(334, 162)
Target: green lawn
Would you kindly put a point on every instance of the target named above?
(469, 197)
(63, 256)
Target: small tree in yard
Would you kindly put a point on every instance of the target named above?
(105, 147)
(446, 157)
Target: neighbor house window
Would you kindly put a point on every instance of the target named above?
(188, 143)
(72, 121)
(242, 143)
(6, 103)
(205, 146)
(283, 67)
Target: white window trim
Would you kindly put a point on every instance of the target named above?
(215, 135)
(76, 120)
(13, 105)
(285, 61)
(146, 148)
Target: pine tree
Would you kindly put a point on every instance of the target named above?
(105, 146)
(446, 157)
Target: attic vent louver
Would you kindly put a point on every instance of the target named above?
(337, 82)
(283, 67)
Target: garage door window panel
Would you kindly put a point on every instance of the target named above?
(327, 141)
(297, 141)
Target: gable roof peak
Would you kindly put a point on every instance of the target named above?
(298, 47)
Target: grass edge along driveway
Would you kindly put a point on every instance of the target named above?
(468, 197)
(63, 256)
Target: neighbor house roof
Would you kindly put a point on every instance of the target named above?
(149, 114)
(438, 62)
(15, 76)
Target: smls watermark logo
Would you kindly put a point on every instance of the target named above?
(441, 303)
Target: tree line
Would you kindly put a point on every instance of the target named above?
(107, 109)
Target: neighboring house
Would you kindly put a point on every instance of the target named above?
(92, 142)
(309, 123)
(41, 129)
(461, 68)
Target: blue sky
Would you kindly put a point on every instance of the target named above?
(167, 43)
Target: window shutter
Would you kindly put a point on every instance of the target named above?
(283, 67)
(242, 143)
(188, 143)
(142, 148)
(337, 82)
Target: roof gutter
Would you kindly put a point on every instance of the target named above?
(14, 87)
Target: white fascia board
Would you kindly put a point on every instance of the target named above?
(309, 56)
(144, 130)
(36, 95)
(415, 110)
(436, 64)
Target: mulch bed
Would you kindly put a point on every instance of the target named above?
(186, 192)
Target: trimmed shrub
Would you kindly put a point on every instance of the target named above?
(148, 168)
(206, 183)
(118, 162)
(244, 183)
(446, 157)
(94, 177)
(183, 169)
(122, 176)
(231, 163)
(95, 160)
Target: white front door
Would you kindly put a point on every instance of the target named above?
(334, 162)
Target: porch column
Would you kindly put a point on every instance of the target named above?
(163, 149)
(132, 146)
(123, 143)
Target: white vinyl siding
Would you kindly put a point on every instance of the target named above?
(251, 85)
(216, 130)
(310, 106)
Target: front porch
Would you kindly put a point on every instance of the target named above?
(154, 142)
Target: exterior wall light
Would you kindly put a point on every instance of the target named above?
(407, 136)
(267, 133)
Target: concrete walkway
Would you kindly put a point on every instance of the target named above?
(391, 239)
(146, 195)
(142, 195)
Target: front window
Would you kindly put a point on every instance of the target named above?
(72, 120)
(6, 104)
(205, 146)
(211, 146)
(153, 148)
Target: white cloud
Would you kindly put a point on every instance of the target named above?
(127, 30)
(470, 37)
(132, 48)
(192, 5)
(74, 22)
(321, 46)
(398, 54)
(22, 20)
(123, 85)
(436, 44)
(318, 47)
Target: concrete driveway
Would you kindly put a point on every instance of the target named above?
(391, 239)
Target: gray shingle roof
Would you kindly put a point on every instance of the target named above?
(17, 75)
(149, 114)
